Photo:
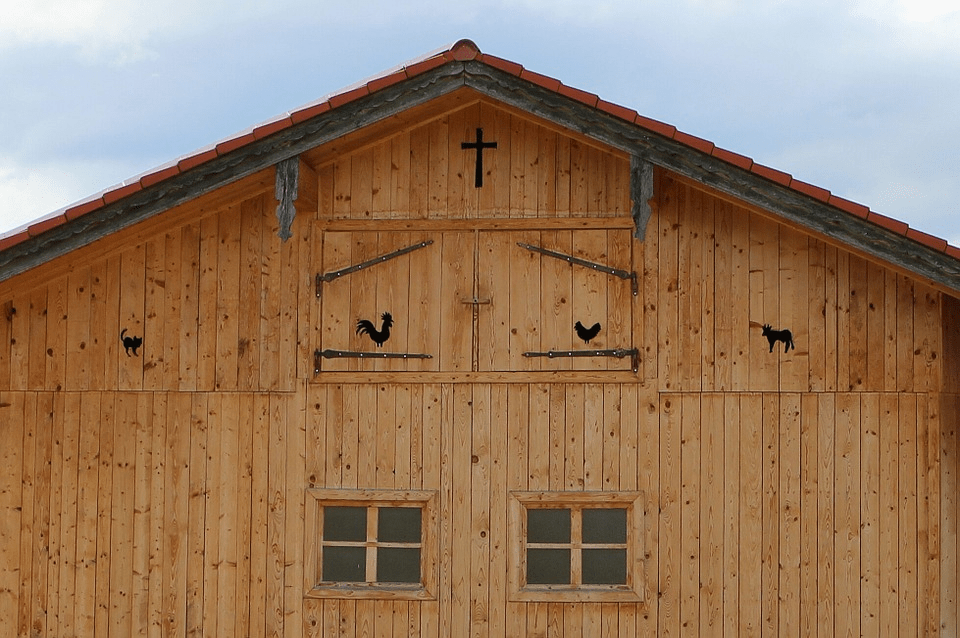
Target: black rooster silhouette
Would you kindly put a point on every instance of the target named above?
(130, 343)
(365, 326)
(586, 333)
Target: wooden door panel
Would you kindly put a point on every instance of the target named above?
(536, 299)
(406, 286)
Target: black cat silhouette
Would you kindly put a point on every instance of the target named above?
(774, 336)
(130, 343)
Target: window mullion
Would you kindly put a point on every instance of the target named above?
(371, 544)
(576, 544)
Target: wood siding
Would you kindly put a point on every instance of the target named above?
(808, 492)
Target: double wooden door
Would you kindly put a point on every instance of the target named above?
(475, 300)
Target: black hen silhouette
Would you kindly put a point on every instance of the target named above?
(365, 326)
(586, 333)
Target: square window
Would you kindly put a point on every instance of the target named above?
(398, 525)
(576, 546)
(548, 566)
(548, 525)
(371, 544)
(344, 563)
(345, 523)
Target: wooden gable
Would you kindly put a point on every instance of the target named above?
(182, 484)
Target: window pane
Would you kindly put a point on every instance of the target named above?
(548, 566)
(604, 566)
(345, 523)
(604, 526)
(344, 564)
(398, 525)
(548, 526)
(398, 565)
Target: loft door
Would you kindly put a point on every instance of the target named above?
(476, 300)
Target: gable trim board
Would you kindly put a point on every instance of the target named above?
(768, 191)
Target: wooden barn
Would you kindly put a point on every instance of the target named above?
(465, 351)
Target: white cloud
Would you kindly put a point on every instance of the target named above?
(116, 30)
(28, 193)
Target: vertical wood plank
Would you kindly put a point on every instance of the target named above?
(809, 478)
(875, 331)
(170, 374)
(847, 538)
(908, 511)
(189, 306)
(731, 514)
(712, 521)
(723, 300)
(751, 514)
(794, 311)
(817, 300)
(56, 345)
(764, 303)
(480, 493)
(889, 524)
(668, 317)
(250, 292)
(227, 298)
(791, 529)
(176, 514)
(690, 288)
(690, 524)
(155, 312)
(109, 410)
(456, 284)
(86, 536)
(11, 507)
(196, 516)
(77, 373)
(826, 509)
(670, 524)
(870, 510)
(770, 512)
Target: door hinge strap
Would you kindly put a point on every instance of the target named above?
(616, 272)
(330, 276)
(347, 354)
(619, 353)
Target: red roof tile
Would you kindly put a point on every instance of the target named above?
(119, 193)
(12, 240)
(191, 161)
(45, 224)
(656, 126)
(349, 96)
(894, 225)
(694, 142)
(387, 80)
(809, 189)
(424, 65)
(82, 208)
(150, 179)
(306, 113)
(616, 110)
(270, 128)
(581, 96)
(929, 240)
(733, 158)
(851, 207)
(464, 50)
(549, 83)
(772, 174)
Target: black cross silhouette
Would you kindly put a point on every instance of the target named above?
(479, 145)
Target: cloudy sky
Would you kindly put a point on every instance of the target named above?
(861, 97)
